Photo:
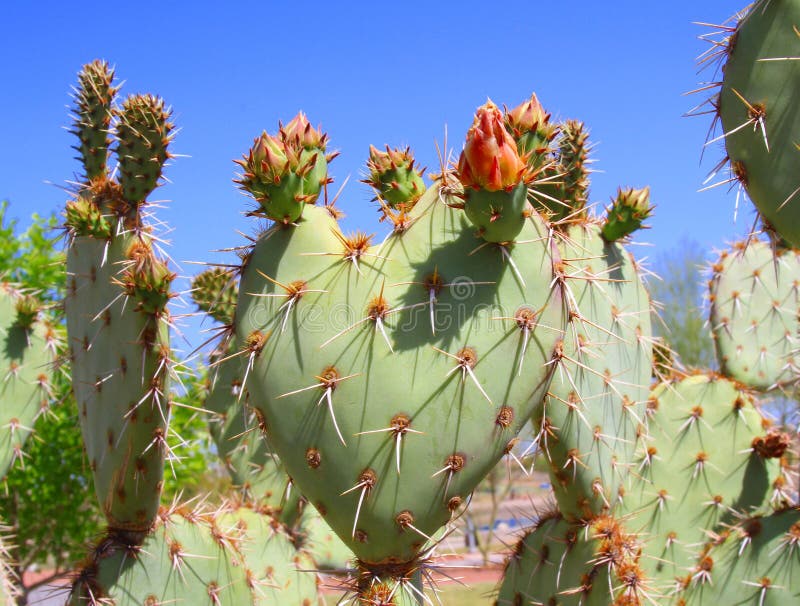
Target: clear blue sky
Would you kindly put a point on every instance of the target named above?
(375, 72)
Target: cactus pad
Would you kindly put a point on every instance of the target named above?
(759, 114)
(187, 558)
(27, 352)
(359, 357)
(755, 563)
(590, 421)
(707, 461)
(562, 564)
(755, 299)
(277, 571)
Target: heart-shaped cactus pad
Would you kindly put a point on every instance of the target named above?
(393, 377)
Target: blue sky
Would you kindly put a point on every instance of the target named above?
(377, 73)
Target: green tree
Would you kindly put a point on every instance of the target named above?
(678, 294)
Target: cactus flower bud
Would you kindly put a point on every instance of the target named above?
(526, 117)
(394, 178)
(490, 160)
(494, 177)
(299, 133)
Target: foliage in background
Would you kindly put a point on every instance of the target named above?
(679, 294)
(31, 257)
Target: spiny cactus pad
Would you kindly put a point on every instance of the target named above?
(237, 431)
(760, 117)
(591, 419)
(563, 564)
(368, 353)
(94, 99)
(187, 558)
(755, 300)
(119, 347)
(755, 563)
(27, 353)
(277, 571)
(707, 461)
(214, 292)
(143, 134)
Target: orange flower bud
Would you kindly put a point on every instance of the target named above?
(490, 160)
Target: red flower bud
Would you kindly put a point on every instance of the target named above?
(490, 160)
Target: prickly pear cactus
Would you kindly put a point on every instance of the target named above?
(754, 563)
(755, 299)
(392, 378)
(117, 317)
(707, 461)
(238, 433)
(188, 557)
(563, 564)
(28, 347)
(590, 421)
(277, 571)
(760, 120)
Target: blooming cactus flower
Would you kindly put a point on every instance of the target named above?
(490, 160)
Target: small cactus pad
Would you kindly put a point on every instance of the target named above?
(277, 571)
(359, 357)
(119, 347)
(760, 116)
(591, 419)
(561, 191)
(755, 300)
(94, 97)
(706, 462)
(143, 134)
(27, 351)
(627, 213)
(187, 558)
(754, 563)
(562, 564)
